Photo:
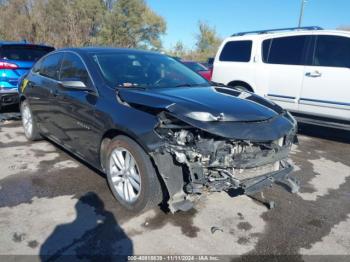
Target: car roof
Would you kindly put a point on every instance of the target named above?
(286, 33)
(86, 50)
(3, 43)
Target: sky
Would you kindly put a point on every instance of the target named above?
(230, 16)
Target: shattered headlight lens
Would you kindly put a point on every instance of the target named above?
(202, 116)
(183, 137)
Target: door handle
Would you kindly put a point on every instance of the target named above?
(313, 74)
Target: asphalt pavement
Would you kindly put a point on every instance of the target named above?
(51, 204)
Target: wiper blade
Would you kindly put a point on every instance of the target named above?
(217, 84)
(189, 85)
(132, 86)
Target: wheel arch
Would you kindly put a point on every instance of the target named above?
(21, 99)
(108, 136)
(242, 83)
(112, 133)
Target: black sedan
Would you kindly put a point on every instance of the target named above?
(160, 132)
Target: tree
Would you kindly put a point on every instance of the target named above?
(178, 50)
(345, 28)
(79, 26)
(207, 41)
(131, 23)
(109, 4)
(16, 20)
(59, 23)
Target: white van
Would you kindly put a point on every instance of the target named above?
(305, 70)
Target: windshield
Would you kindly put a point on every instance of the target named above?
(23, 52)
(145, 70)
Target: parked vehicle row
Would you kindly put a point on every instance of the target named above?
(199, 68)
(159, 131)
(305, 70)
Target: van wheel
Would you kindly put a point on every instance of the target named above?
(31, 130)
(131, 175)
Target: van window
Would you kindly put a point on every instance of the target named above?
(333, 51)
(236, 51)
(284, 50)
(266, 45)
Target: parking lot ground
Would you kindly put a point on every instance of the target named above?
(52, 204)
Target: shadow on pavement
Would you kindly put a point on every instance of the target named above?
(90, 236)
(10, 113)
(324, 133)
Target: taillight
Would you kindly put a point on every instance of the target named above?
(211, 73)
(5, 65)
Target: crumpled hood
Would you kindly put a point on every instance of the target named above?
(223, 104)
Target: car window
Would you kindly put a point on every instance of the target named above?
(333, 51)
(196, 66)
(73, 69)
(23, 52)
(236, 51)
(284, 50)
(50, 66)
(36, 67)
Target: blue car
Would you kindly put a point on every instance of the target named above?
(16, 58)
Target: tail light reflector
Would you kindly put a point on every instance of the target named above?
(5, 65)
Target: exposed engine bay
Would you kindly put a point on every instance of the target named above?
(211, 163)
(215, 139)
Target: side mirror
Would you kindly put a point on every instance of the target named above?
(75, 85)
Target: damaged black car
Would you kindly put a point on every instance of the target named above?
(161, 133)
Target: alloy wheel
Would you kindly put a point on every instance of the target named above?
(27, 120)
(124, 174)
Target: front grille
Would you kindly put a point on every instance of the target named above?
(242, 174)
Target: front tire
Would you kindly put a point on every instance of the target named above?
(31, 130)
(131, 175)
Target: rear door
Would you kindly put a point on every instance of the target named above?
(326, 87)
(284, 67)
(43, 84)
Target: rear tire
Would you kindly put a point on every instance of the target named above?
(30, 127)
(131, 175)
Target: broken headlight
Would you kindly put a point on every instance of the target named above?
(183, 137)
(204, 116)
(290, 118)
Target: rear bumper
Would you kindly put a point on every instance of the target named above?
(257, 184)
(9, 97)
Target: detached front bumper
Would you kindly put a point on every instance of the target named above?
(257, 184)
(9, 97)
